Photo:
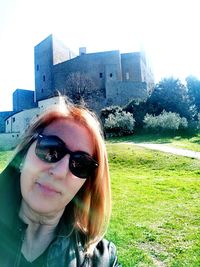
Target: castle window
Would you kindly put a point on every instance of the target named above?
(100, 75)
(42, 91)
(7, 122)
(37, 67)
(111, 75)
(43, 78)
(127, 75)
(13, 119)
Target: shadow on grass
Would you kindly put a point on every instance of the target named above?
(196, 139)
(157, 138)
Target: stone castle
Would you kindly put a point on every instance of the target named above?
(116, 79)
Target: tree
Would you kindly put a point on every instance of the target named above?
(193, 85)
(138, 108)
(79, 86)
(170, 95)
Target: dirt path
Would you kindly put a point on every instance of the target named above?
(170, 149)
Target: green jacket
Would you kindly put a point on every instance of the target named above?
(66, 250)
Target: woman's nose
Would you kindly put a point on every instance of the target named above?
(60, 169)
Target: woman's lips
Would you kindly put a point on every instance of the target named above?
(48, 189)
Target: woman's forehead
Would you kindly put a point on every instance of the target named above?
(64, 125)
(74, 134)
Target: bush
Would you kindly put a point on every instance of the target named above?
(166, 121)
(118, 124)
(198, 121)
(105, 112)
(194, 125)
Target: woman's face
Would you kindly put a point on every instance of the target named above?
(48, 187)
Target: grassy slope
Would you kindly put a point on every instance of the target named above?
(156, 200)
(183, 141)
(4, 157)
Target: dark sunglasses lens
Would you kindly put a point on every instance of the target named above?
(49, 149)
(82, 165)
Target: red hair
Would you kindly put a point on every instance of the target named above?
(92, 204)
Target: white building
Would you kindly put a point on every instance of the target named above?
(17, 123)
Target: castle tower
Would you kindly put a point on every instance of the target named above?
(48, 53)
(43, 55)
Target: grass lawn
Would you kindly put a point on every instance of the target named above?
(191, 142)
(4, 157)
(156, 200)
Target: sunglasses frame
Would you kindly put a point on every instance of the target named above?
(61, 151)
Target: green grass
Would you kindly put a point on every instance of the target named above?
(156, 200)
(186, 141)
(4, 157)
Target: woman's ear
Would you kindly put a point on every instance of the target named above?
(20, 167)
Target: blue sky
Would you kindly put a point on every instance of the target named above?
(166, 29)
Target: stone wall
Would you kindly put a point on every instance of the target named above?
(3, 116)
(20, 121)
(9, 141)
(23, 99)
(95, 65)
(131, 65)
(61, 53)
(120, 93)
(47, 103)
(135, 67)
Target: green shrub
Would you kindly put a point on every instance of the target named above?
(118, 124)
(105, 112)
(198, 121)
(166, 121)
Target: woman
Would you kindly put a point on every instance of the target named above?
(55, 194)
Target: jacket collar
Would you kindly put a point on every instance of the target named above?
(10, 196)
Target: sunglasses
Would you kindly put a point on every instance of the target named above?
(51, 149)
